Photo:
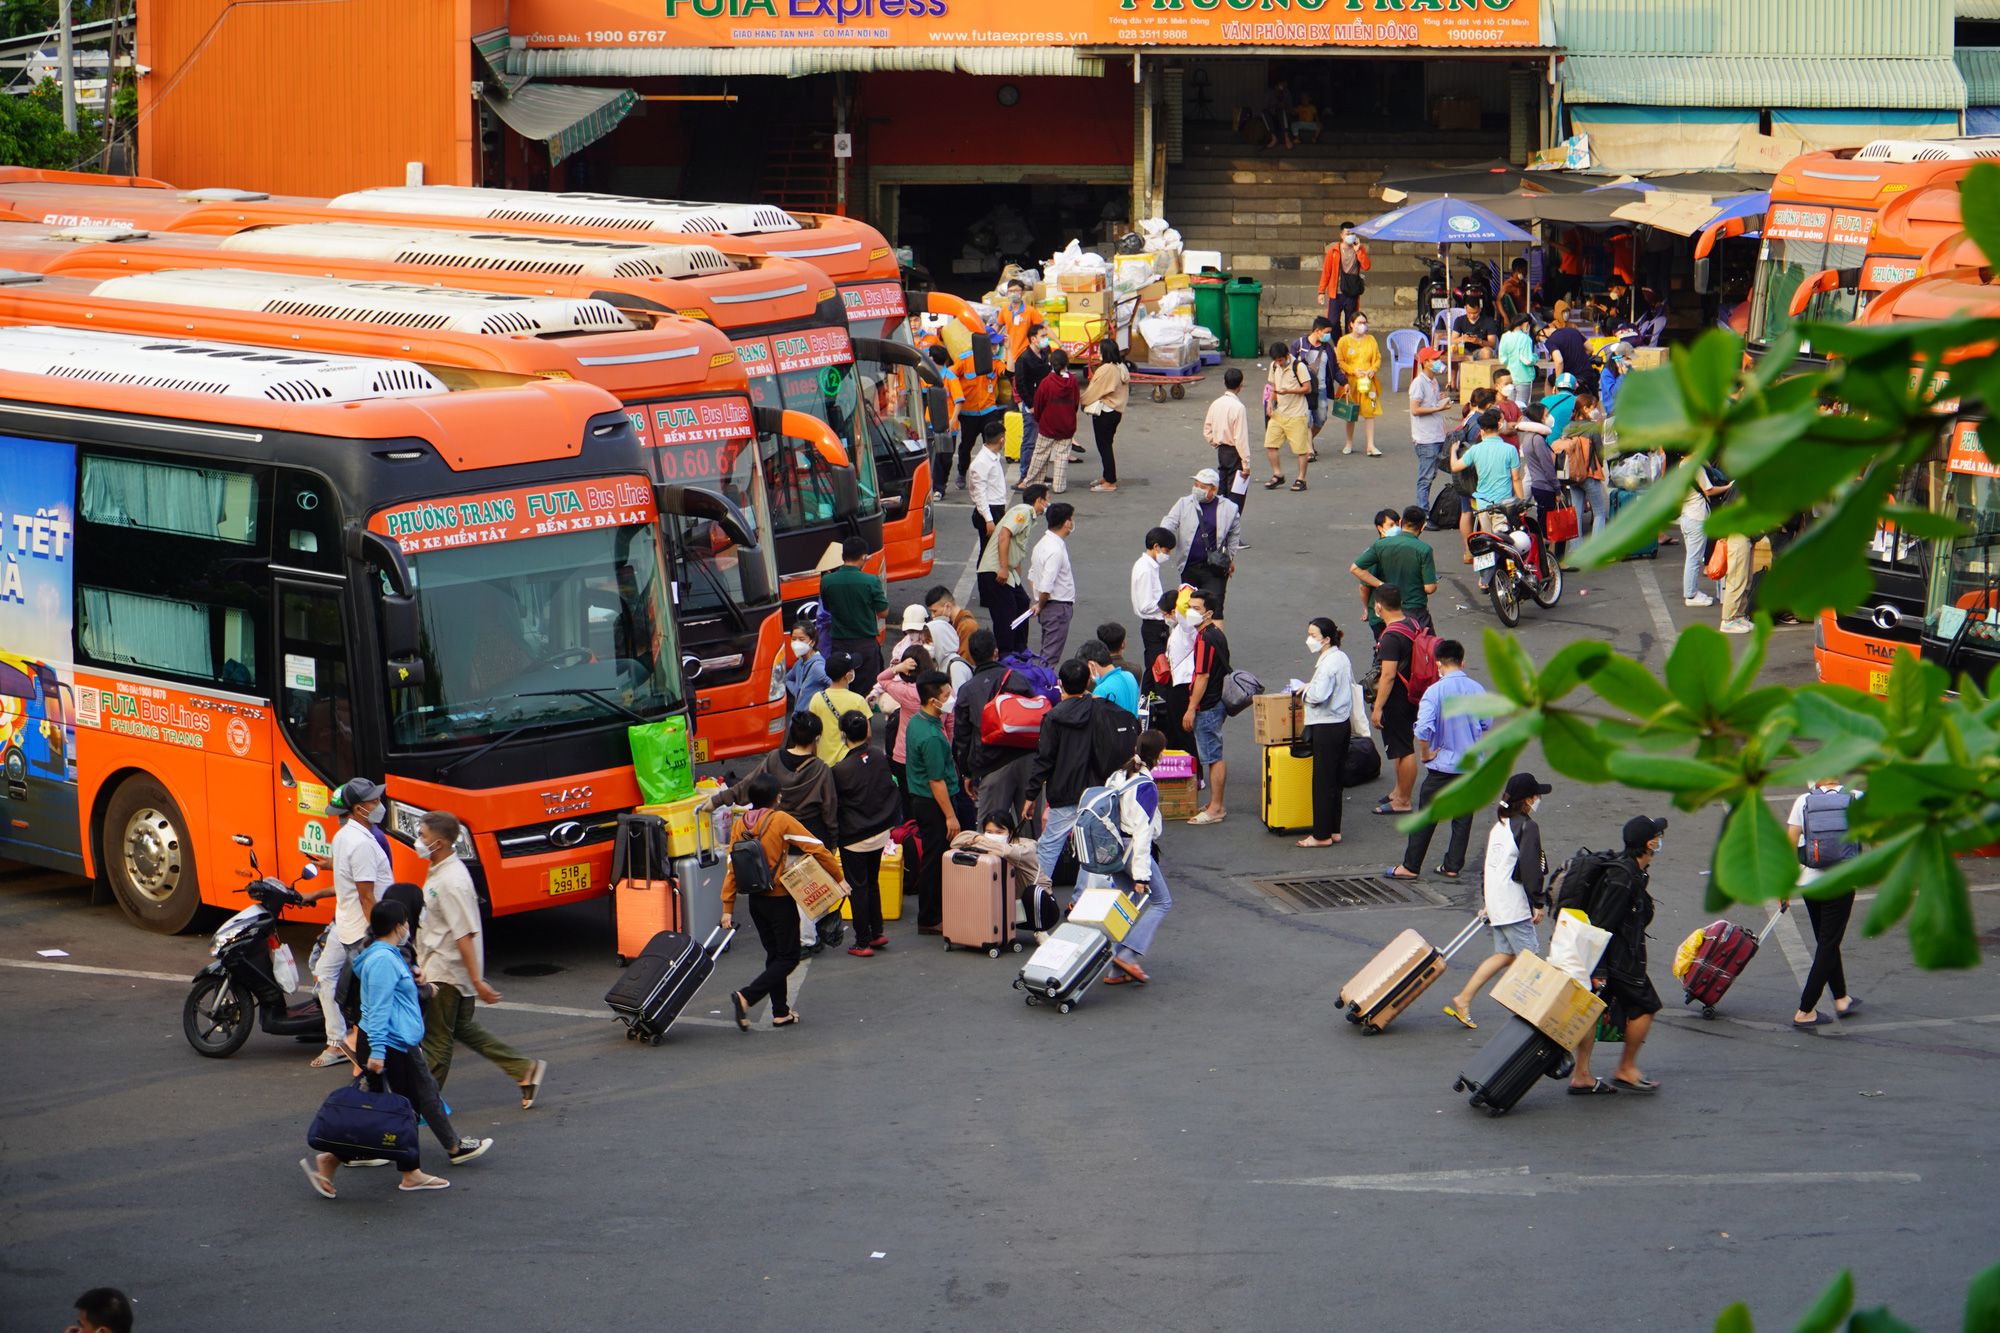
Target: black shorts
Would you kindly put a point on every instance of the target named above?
(1399, 731)
(1632, 999)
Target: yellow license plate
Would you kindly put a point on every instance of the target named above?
(701, 749)
(1878, 683)
(569, 879)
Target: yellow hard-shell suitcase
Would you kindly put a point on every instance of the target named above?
(890, 880)
(1015, 431)
(1284, 789)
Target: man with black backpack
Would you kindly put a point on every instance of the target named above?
(763, 838)
(1818, 824)
(1408, 654)
(1611, 890)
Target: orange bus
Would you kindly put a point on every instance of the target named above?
(265, 570)
(680, 380)
(1827, 206)
(851, 253)
(1910, 225)
(1858, 647)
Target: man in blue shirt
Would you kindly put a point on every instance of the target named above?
(1501, 475)
(1445, 744)
(1108, 680)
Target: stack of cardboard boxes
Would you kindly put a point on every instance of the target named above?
(1284, 771)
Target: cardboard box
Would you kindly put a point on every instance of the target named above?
(1089, 303)
(1107, 910)
(1176, 282)
(1173, 764)
(1153, 291)
(1178, 798)
(690, 825)
(1080, 282)
(1280, 718)
(807, 881)
(1080, 328)
(1055, 303)
(1649, 358)
(1475, 375)
(1549, 997)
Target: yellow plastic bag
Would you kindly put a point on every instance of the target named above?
(1684, 956)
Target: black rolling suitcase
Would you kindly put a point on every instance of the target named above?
(1508, 1065)
(663, 979)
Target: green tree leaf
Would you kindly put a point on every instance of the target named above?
(1755, 859)
(1736, 1319)
(1482, 704)
(1629, 687)
(1878, 1320)
(1825, 715)
(1573, 748)
(1831, 1307)
(1904, 788)
(1865, 869)
(1923, 523)
(1941, 930)
(1651, 410)
(1573, 664)
(1473, 791)
(1827, 567)
(1660, 772)
(1982, 1303)
(1706, 369)
(1752, 661)
(1831, 760)
(1751, 445)
(1504, 663)
(1698, 669)
(1979, 206)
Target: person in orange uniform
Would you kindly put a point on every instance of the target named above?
(982, 402)
(1340, 280)
(1017, 317)
(954, 393)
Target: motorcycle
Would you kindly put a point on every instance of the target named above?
(241, 986)
(1515, 561)
(1433, 294)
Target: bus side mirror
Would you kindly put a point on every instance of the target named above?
(383, 553)
(937, 408)
(846, 486)
(1701, 275)
(701, 502)
(401, 634)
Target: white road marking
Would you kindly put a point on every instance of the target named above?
(1797, 953)
(968, 577)
(1519, 1181)
(793, 985)
(1657, 605)
(1849, 1029)
(40, 966)
(37, 964)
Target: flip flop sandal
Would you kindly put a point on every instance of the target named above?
(427, 1183)
(1116, 978)
(1274, 483)
(788, 1020)
(1121, 971)
(1386, 809)
(533, 1087)
(1298, 485)
(1648, 1086)
(1818, 1021)
(1376, 453)
(1598, 1088)
(1448, 874)
(1853, 1003)
(1453, 1011)
(1397, 872)
(321, 1185)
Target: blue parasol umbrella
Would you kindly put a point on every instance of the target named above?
(1741, 206)
(1441, 221)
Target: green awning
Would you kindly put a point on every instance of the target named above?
(491, 47)
(564, 117)
(1980, 68)
(1764, 81)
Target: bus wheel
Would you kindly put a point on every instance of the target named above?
(150, 857)
(16, 767)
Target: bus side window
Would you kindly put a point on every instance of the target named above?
(317, 707)
(306, 524)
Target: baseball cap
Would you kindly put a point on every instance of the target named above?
(1621, 350)
(1642, 829)
(355, 791)
(915, 618)
(1208, 476)
(838, 664)
(1523, 785)
(1565, 381)
(1429, 354)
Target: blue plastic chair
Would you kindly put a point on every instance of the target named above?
(1403, 347)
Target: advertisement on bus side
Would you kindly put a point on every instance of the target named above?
(38, 792)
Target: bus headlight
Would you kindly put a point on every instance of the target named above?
(777, 677)
(407, 819)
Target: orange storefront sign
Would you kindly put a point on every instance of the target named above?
(650, 23)
(1966, 456)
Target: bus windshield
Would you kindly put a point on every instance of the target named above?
(1965, 575)
(706, 442)
(801, 493)
(1786, 264)
(893, 398)
(567, 628)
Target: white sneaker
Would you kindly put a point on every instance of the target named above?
(1700, 599)
(1737, 627)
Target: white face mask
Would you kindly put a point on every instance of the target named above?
(1163, 557)
(425, 848)
(1360, 330)
(375, 815)
(1192, 617)
(802, 648)
(1315, 646)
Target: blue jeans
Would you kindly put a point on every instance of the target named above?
(1028, 437)
(1140, 938)
(1427, 466)
(1695, 541)
(1207, 736)
(1589, 492)
(1056, 824)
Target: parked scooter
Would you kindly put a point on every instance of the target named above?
(1433, 294)
(1514, 561)
(241, 987)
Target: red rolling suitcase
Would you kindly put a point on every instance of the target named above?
(1726, 949)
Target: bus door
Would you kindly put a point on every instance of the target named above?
(315, 748)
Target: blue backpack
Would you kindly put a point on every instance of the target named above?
(1825, 826)
(1098, 838)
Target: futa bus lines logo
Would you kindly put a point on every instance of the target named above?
(840, 11)
(434, 518)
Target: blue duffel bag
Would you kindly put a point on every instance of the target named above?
(355, 1123)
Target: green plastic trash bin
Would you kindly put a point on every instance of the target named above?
(1208, 304)
(1244, 294)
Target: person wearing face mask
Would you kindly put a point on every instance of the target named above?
(1515, 900)
(1428, 405)
(1207, 525)
(1204, 713)
(1329, 700)
(1227, 427)
(1148, 594)
(1031, 367)
(1620, 903)
(1019, 320)
(807, 674)
(1398, 555)
(392, 1020)
(451, 960)
(360, 873)
(1360, 359)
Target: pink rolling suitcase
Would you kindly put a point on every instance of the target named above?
(978, 903)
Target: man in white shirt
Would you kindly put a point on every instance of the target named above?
(451, 957)
(360, 873)
(986, 481)
(1054, 582)
(1227, 428)
(1147, 590)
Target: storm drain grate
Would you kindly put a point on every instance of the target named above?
(1348, 892)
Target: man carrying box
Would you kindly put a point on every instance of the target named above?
(1620, 904)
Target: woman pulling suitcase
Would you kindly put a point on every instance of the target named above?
(1139, 816)
(1515, 871)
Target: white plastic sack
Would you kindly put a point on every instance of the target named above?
(1174, 301)
(285, 968)
(1575, 945)
(1207, 340)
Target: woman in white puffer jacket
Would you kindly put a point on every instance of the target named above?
(1139, 817)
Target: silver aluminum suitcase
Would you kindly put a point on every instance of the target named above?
(700, 877)
(1067, 964)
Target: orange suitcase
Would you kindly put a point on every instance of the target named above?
(1394, 978)
(641, 909)
(978, 903)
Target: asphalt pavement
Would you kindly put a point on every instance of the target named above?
(1215, 1150)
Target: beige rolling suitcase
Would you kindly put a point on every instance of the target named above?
(1394, 978)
